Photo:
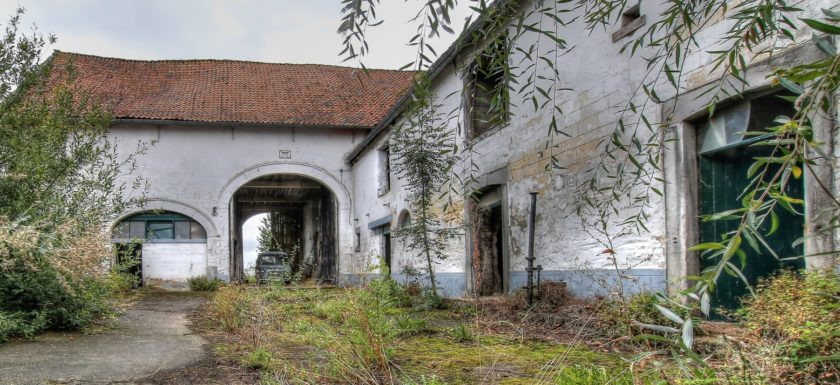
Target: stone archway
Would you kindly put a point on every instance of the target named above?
(279, 184)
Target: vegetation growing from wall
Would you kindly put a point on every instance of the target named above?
(61, 181)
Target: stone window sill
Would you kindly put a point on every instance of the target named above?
(629, 28)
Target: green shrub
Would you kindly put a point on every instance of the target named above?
(462, 333)
(431, 300)
(800, 312)
(201, 283)
(258, 359)
(409, 325)
(50, 279)
(20, 324)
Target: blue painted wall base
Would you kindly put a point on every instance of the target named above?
(589, 283)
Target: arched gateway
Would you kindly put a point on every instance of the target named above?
(308, 209)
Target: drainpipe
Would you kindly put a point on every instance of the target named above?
(530, 269)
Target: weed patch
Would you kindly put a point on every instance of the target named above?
(202, 283)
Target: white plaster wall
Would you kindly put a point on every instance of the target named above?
(167, 263)
(601, 83)
(370, 206)
(196, 169)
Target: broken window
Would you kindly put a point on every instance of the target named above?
(182, 229)
(121, 231)
(487, 88)
(197, 231)
(137, 230)
(160, 230)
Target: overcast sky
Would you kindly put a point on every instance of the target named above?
(285, 31)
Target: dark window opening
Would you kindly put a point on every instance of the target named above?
(384, 234)
(630, 15)
(386, 245)
(384, 170)
(404, 221)
(488, 91)
(631, 20)
(358, 240)
(130, 255)
(489, 267)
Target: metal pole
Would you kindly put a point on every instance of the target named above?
(531, 224)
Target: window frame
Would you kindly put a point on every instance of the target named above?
(471, 87)
(150, 219)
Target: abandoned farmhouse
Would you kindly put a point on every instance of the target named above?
(311, 144)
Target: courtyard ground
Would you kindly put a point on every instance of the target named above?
(151, 342)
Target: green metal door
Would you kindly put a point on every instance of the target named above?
(723, 178)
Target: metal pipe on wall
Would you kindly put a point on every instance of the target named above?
(531, 225)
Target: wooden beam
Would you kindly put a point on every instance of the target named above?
(290, 184)
(262, 199)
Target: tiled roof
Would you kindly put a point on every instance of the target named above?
(237, 91)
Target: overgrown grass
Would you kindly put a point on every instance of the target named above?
(379, 334)
(796, 319)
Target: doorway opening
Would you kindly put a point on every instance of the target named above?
(489, 257)
(298, 217)
(130, 256)
(724, 160)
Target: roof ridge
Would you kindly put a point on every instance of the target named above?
(221, 61)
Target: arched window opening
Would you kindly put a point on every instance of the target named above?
(159, 227)
(404, 220)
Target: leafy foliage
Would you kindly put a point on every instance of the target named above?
(801, 313)
(426, 154)
(202, 283)
(61, 181)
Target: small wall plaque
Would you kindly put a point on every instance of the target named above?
(285, 154)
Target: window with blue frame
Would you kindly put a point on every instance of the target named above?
(159, 227)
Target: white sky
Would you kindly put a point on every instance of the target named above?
(250, 231)
(285, 31)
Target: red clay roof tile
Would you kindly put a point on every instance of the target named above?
(237, 91)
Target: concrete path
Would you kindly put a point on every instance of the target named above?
(151, 337)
